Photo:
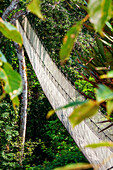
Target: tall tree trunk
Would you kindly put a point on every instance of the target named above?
(22, 70)
(23, 116)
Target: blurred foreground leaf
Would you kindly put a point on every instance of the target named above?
(109, 107)
(103, 93)
(82, 112)
(78, 166)
(2, 57)
(99, 11)
(72, 104)
(108, 75)
(101, 144)
(15, 101)
(34, 7)
(69, 41)
(10, 31)
(12, 80)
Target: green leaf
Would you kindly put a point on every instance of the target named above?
(15, 101)
(100, 11)
(108, 75)
(109, 25)
(103, 93)
(101, 144)
(105, 42)
(13, 82)
(69, 40)
(1, 122)
(2, 57)
(78, 166)
(50, 113)
(5, 115)
(72, 104)
(34, 7)
(83, 111)
(109, 107)
(10, 31)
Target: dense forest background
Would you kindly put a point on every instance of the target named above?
(46, 146)
(87, 64)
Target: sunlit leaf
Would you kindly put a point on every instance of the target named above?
(16, 101)
(13, 82)
(99, 11)
(108, 75)
(50, 113)
(109, 25)
(34, 7)
(78, 166)
(69, 41)
(109, 37)
(109, 107)
(2, 57)
(101, 144)
(72, 104)
(83, 111)
(101, 68)
(105, 42)
(103, 93)
(10, 31)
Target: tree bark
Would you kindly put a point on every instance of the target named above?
(9, 9)
(16, 16)
(23, 115)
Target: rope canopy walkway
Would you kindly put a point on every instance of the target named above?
(59, 92)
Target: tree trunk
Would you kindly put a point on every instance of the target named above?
(23, 115)
(9, 9)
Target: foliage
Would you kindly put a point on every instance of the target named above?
(3, 4)
(10, 79)
(98, 16)
(103, 93)
(100, 13)
(99, 53)
(75, 167)
(8, 136)
(58, 18)
(69, 40)
(10, 149)
(97, 62)
(45, 145)
(101, 144)
(34, 7)
(10, 31)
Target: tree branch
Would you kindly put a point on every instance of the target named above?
(16, 16)
(10, 8)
